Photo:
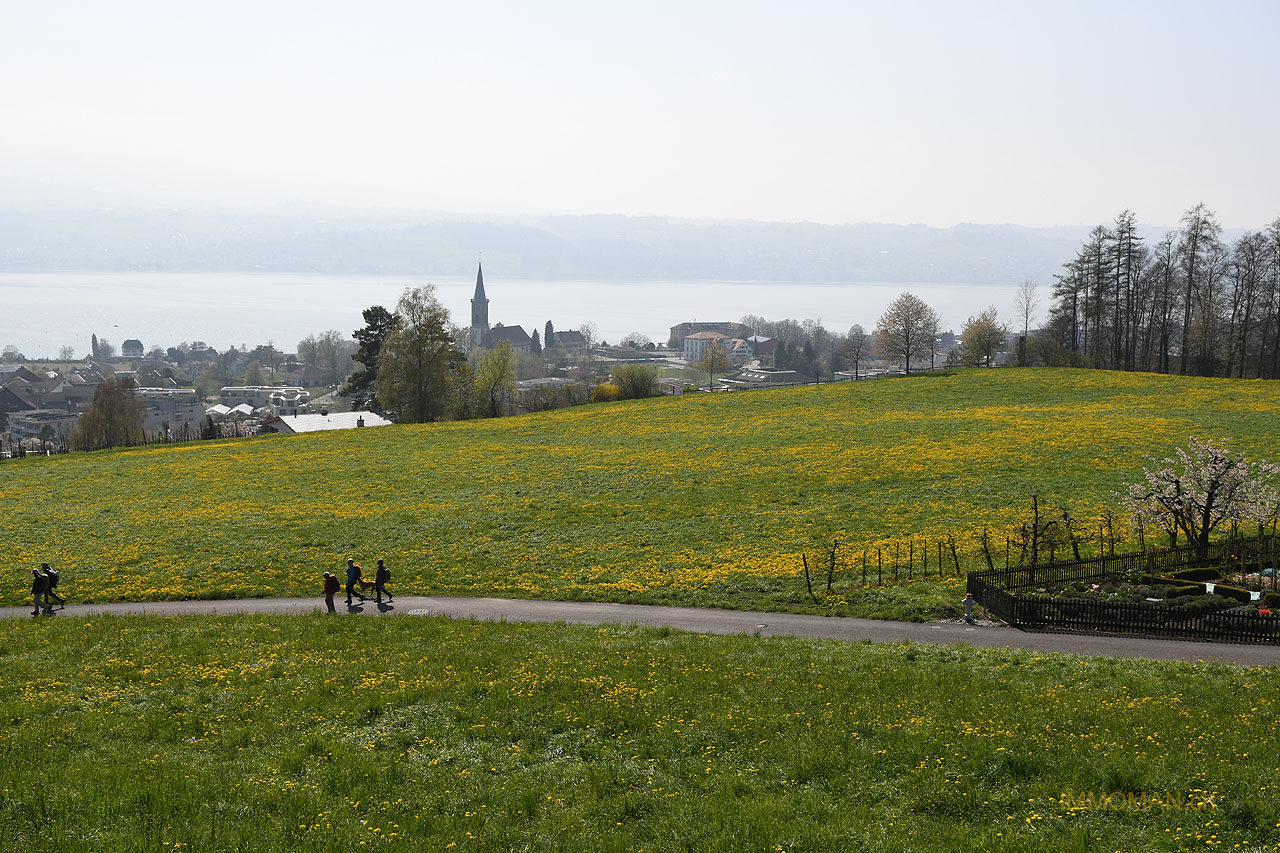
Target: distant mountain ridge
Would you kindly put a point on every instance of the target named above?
(551, 247)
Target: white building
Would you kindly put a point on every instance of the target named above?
(174, 407)
(29, 424)
(278, 400)
(696, 344)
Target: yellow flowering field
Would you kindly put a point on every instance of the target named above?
(310, 733)
(704, 499)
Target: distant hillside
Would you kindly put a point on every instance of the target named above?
(595, 247)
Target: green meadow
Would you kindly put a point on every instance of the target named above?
(331, 733)
(706, 499)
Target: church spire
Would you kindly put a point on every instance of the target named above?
(479, 284)
(479, 310)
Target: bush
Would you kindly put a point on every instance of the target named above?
(606, 392)
(636, 381)
(1184, 590)
(1271, 600)
(1233, 592)
(1201, 574)
(1198, 606)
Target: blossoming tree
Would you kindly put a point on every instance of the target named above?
(1198, 488)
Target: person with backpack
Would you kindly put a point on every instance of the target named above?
(353, 575)
(51, 583)
(331, 586)
(380, 578)
(39, 586)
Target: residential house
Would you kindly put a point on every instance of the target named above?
(739, 351)
(132, 348)
(569, 342)
(11, 402)
(764, 348)
(696, 344)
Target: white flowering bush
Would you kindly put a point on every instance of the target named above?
(1198, 488)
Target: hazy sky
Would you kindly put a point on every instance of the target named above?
(841, 112)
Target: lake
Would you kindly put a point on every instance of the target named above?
(44, 311)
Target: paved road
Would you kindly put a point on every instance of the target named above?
(708, 621)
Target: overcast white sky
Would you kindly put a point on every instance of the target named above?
(839, 112)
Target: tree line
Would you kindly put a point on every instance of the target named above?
(1191, 303)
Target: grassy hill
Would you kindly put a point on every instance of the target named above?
(316, 733)
(706, 499)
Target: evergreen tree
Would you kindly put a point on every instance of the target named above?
(361, 386)
(548, 336)
(535, 345)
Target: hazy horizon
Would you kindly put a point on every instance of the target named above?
(831, 113)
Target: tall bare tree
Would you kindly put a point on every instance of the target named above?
(1026, 301)
(907, 330)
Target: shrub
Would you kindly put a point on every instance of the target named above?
(636, 381)
(1271, 600)
(1198, 606)
(1233, 592)
(606, 392)
(1200, 574)
(1186, 589)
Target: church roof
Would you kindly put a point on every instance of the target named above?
(514, 335)
(479, 282)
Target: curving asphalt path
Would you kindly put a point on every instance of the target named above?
(708, 621)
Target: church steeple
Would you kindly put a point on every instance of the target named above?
(479, 308)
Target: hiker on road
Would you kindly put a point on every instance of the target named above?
(353, 575)
(39, 586)
(380, 578)
(51, 578)
(331, 587)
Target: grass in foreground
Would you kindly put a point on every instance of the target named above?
(702, 500)
(315, 733)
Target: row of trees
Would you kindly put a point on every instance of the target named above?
(1190, 304)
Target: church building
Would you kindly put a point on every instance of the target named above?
(484, 337)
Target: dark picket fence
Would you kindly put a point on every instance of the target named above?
(1006, 594)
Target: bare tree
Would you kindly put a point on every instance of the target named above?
(636, 340)
(714, 360)
(908, 329)
(855, 347)
(1026, 301)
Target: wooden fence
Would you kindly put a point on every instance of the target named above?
(1005, 593)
